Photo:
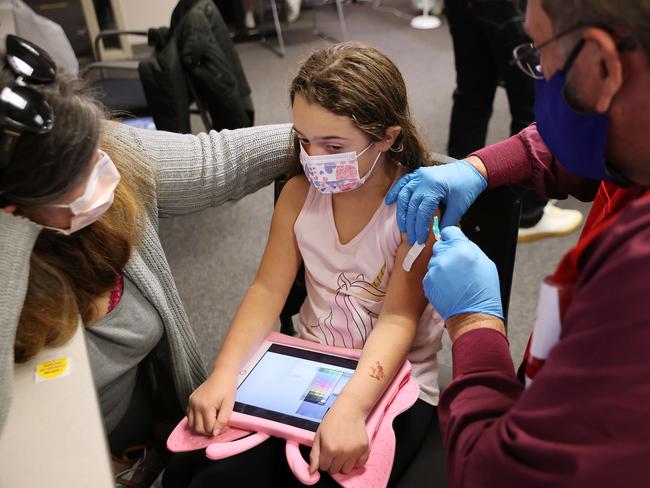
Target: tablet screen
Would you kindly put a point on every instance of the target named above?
(293, 386)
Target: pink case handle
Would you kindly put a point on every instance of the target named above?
(183, 438)
(221, 450)
(299, 466)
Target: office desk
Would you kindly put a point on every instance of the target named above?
(54, 436)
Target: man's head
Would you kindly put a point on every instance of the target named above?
(611, 72)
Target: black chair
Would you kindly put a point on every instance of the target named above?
(492, 222)
(117, 83)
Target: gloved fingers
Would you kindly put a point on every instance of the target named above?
(392, 194)
(411, 215)
(436, 289)
(452, 215)
(452, 233)
(428, 276)
(423, 219)
(403, 202)
(429, 283)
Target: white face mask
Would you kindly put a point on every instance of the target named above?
(335, 173)
(96, 200)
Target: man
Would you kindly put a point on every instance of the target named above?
(582, 417)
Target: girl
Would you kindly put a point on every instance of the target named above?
(353, 137)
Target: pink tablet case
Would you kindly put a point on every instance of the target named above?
(246, 432)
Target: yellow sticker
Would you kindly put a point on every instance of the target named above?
(55, 368)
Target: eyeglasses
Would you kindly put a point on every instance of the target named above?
(22, 108)
(527, 56)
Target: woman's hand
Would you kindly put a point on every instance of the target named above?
(210, 405)
(341, 443)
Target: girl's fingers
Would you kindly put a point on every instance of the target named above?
(314, 455)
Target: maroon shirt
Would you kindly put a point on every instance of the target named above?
(585, 420)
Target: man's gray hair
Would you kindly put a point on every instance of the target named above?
(626, 17)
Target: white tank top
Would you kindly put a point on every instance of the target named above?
(346, 286)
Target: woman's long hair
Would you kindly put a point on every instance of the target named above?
(67, 273)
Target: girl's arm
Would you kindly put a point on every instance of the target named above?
(211, 404)
(390, 340)
(343, 444)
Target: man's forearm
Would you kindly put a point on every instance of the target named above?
(524, 159)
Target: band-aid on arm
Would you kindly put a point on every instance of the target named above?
(416, 248)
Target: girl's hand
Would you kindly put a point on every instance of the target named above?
(341, 443)
(210, 405)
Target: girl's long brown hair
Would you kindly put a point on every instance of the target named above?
(67, 273)
(358, 81)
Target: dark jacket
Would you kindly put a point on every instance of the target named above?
(196, 61)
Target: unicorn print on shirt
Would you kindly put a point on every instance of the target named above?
(350, 321)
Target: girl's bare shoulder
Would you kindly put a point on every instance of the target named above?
(294, 193)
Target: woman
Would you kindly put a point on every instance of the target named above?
(78, 238)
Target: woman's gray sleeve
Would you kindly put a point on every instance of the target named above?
(17, 238)
(194, 172)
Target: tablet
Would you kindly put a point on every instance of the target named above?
(292, 385)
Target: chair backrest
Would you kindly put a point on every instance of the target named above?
(492, 222)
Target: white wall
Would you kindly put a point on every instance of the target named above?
(142, 14)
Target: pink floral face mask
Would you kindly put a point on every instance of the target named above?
(335, 173)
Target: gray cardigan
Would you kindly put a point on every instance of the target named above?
(187, 174)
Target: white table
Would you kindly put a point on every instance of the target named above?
(54, 436)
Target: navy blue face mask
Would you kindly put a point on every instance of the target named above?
(576, 139)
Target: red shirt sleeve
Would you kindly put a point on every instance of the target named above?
(585, 420)
(524, 159)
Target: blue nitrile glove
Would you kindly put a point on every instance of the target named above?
(418, 195)
(461, 278)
